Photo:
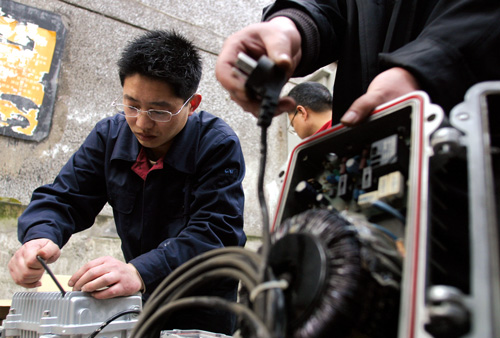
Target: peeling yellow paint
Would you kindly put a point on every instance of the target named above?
(26, 52)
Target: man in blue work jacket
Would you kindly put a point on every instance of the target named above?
(172, 176)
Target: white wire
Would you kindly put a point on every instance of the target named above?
(274, 284)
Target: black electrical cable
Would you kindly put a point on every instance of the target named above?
(265, 82)
(46, 267)
(271, 308)
(251, 258)
(237, 254)
(152, 329)
(226, 262)
(193, 284)
(266, 238)
(209, 265)
(111, 319)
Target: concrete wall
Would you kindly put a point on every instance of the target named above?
(88, 83)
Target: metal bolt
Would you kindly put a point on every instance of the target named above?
(446, 140)
(447, 311)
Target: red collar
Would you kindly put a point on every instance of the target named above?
(142, 166)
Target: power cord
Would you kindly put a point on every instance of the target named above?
(264, 82)
(111, 319)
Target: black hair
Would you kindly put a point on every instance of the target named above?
(313, 95)
(166, 56)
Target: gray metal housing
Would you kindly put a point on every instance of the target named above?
(77, 314)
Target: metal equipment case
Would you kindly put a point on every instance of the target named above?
(77, 314)
(442, 175)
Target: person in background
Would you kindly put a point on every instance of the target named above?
(172, 176)
(313, 110)
(384, 49)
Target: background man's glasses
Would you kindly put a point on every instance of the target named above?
(155, 115)
(290, 128)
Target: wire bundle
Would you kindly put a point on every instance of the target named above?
(360, 292)
(174, 293)
(333, 310)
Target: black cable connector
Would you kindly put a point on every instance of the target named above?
(264, 83)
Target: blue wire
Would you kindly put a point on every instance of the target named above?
(387, 208)
(386, 231)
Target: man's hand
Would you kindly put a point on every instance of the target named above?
(24, 267)
(385, 87)
(279, 39)
(107, 277)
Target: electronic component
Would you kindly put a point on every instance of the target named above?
(353, 168)
(350, 256)
(388, 154)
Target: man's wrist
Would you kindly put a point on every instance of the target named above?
(143, 286)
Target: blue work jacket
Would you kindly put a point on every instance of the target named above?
(192, 205)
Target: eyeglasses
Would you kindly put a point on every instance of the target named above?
(155, 115)
(290, 128)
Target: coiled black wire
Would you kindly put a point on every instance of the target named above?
(363, 267)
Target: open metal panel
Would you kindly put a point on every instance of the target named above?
(449, 201)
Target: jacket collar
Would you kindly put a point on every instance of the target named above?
(126, 146)
(182, 153)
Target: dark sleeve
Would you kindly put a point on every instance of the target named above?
(322, 24)
(215, 211)
(456, 48)
(71, 203)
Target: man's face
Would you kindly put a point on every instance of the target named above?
(146, 93)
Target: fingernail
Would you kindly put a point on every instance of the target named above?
(71, 283)
(283, 58)
(349, 118)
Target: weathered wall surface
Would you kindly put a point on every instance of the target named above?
(88, 83)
